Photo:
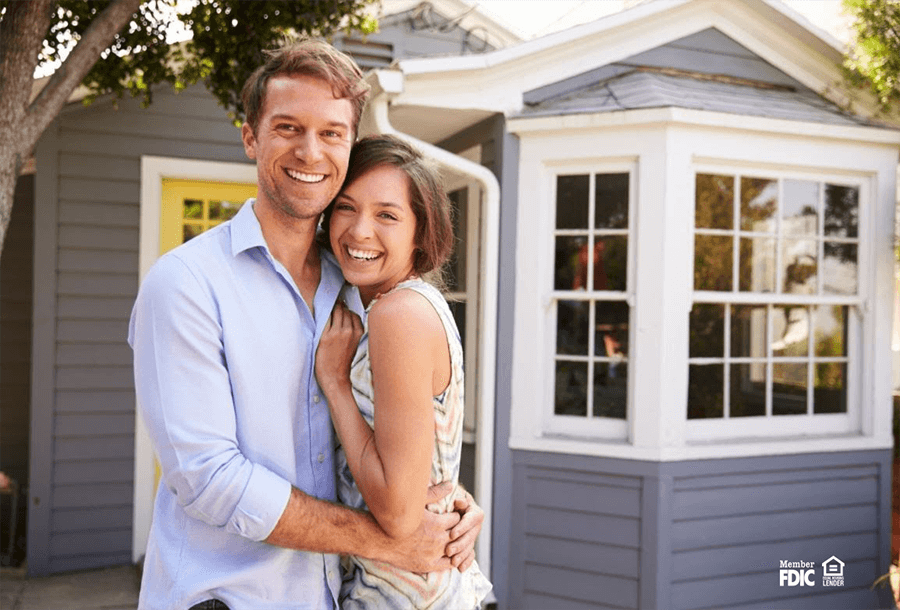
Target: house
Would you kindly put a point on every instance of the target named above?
(675, 278)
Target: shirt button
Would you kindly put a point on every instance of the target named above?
(316, 399)
(321, 458)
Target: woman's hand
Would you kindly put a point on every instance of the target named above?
(337, 347)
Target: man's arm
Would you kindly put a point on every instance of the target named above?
(311, 524)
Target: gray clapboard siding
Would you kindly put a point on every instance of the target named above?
(700, 534)
(90, 163)
(576, 535)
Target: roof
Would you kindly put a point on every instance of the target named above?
(645, 87)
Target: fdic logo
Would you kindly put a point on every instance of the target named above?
(796, 573)
(803, 573)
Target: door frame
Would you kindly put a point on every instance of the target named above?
(153, 170)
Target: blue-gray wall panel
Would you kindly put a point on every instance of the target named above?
(704, 534)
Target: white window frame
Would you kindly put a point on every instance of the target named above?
(572, 425)
(784, 426)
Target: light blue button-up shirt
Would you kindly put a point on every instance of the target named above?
(223, 358)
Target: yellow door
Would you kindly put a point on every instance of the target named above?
(190, 207)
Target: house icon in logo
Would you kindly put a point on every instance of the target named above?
(833, 567)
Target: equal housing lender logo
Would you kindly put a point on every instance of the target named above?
(803, 573)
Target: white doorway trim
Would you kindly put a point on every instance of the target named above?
(153, 170)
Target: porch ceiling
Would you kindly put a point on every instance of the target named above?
(434, 125)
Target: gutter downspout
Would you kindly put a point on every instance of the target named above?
(390, 83)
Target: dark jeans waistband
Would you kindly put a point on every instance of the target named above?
(210, 604)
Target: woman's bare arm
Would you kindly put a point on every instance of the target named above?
(392, 464)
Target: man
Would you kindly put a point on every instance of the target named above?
(224, 332)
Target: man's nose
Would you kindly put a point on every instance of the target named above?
(308, 149)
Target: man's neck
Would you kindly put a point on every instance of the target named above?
(291, 241)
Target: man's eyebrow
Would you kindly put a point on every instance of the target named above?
(291, 118)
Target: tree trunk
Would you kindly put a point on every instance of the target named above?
(22, 121)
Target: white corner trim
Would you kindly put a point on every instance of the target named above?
(153, 170)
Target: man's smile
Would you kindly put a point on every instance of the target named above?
(304, 177)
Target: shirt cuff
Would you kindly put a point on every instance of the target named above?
(261, 505)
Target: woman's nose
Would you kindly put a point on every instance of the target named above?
(361, 227)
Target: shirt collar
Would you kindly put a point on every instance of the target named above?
(245, 230)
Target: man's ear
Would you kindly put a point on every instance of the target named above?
(249, 140)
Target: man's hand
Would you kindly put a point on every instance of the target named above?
(461, 550)
(424, 551)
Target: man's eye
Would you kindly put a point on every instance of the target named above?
(333, 134)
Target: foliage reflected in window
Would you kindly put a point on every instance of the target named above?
(795, 244)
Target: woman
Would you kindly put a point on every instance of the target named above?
(398, 412)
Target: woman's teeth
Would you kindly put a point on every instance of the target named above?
(365, 255)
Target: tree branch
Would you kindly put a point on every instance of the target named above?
(99, 36)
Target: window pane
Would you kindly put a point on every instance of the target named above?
(230, 209)
(610, 263)
(193, 209)
(571, 263)
(456, 267)
(759, 202)
(757, 264)
(712, 262)
(748, 390)
(789, 383)
(790, 331)
(705, 391)
(458, 309)
(707, 329)
(572, 328)
(798, 266)
(799, 207)
(830, 393)
(612, 201)
(841, 211)
(611, 319)
(840, 271)
(715, 202)
(831, 330)
(748, 331)
(571, 388)
(190, 231)
(610, 389)
(572, 202)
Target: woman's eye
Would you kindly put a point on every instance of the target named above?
(388, 216)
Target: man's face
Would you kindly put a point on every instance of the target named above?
(301, 145)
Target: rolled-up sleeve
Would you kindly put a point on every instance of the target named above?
(185, 397)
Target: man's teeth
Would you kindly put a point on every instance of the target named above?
(362, 254)
(305, 177)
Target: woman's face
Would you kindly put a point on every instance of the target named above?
(373, 230)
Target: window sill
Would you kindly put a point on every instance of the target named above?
(702, 450)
